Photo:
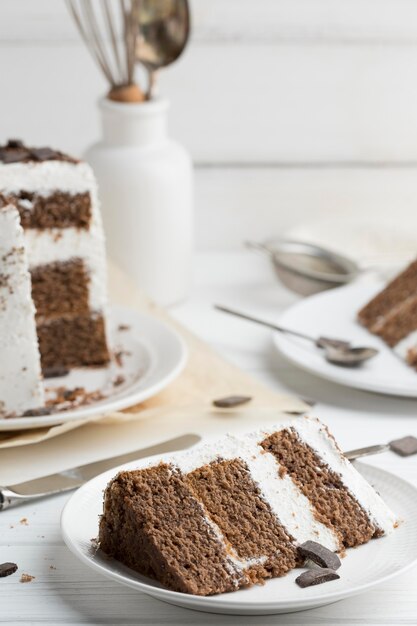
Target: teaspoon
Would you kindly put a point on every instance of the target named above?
(163, 28)
(336, 351)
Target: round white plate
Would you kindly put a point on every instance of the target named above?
(333, 314)
(363, 568)
(150, 356)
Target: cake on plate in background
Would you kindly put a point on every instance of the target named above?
(52, 271)
(392, 315)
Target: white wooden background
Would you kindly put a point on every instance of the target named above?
(292, 109)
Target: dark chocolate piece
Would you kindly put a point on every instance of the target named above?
(55, 372)
(231, 401)
(406, 446)
(316, 577)
(15, 143)
(43, 154)
(319, 554)
(41, 411)
(7, 569)
(13, 155)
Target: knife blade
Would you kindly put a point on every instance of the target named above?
(73, 478)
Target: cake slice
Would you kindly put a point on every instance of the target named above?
(20, 367)
(56, 198)
(231, 514)
(392, 314)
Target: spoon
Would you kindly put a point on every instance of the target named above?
(163, 28)
(336, 351)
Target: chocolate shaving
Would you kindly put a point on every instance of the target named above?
(55, 372)
(316, 577)
(14, 151)
(7, 569)
(14, 155)
(15, 143)
(319, 554)
(231, 401)
(43, 154)
(406, 446)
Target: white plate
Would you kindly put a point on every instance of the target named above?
(333, 314)
(152, 355)
(363, 568)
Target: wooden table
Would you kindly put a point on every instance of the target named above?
(66, 592)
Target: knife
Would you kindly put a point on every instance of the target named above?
(73, 478)
(77, 476)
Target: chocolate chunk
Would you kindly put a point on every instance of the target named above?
(319, 555)
(15, 143)
(43, 154)
(14, 155)
(7, 569)
(41, 411)
(55, 372)
(406, 446)
(316, 577)
(231, 401)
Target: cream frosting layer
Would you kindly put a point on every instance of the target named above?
(46, 177)
(20, 369)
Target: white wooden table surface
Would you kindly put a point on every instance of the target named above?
(66, 592)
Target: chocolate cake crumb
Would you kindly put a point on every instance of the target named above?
(7, 569)
(319, 554)
(231, 401)
(37, 412)
(123, 327)
(24, 521)
(65, 398)
(55, 372)
(26, 578)
(118, 358)
(406, 446)
(316, 577)
(119, 380)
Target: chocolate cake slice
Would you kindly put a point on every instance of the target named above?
(392, 314)
(56, 209)
(231, 514)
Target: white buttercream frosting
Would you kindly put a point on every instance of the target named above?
(46, 176)
(20, 370)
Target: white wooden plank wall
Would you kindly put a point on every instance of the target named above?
(293, 109)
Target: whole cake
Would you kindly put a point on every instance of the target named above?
(392, 314)
(230, 514)
(52, 271)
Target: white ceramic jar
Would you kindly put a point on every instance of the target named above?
(145, 188)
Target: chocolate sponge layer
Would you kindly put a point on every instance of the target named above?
(153, 524)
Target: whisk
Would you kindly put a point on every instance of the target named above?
(109, 30)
